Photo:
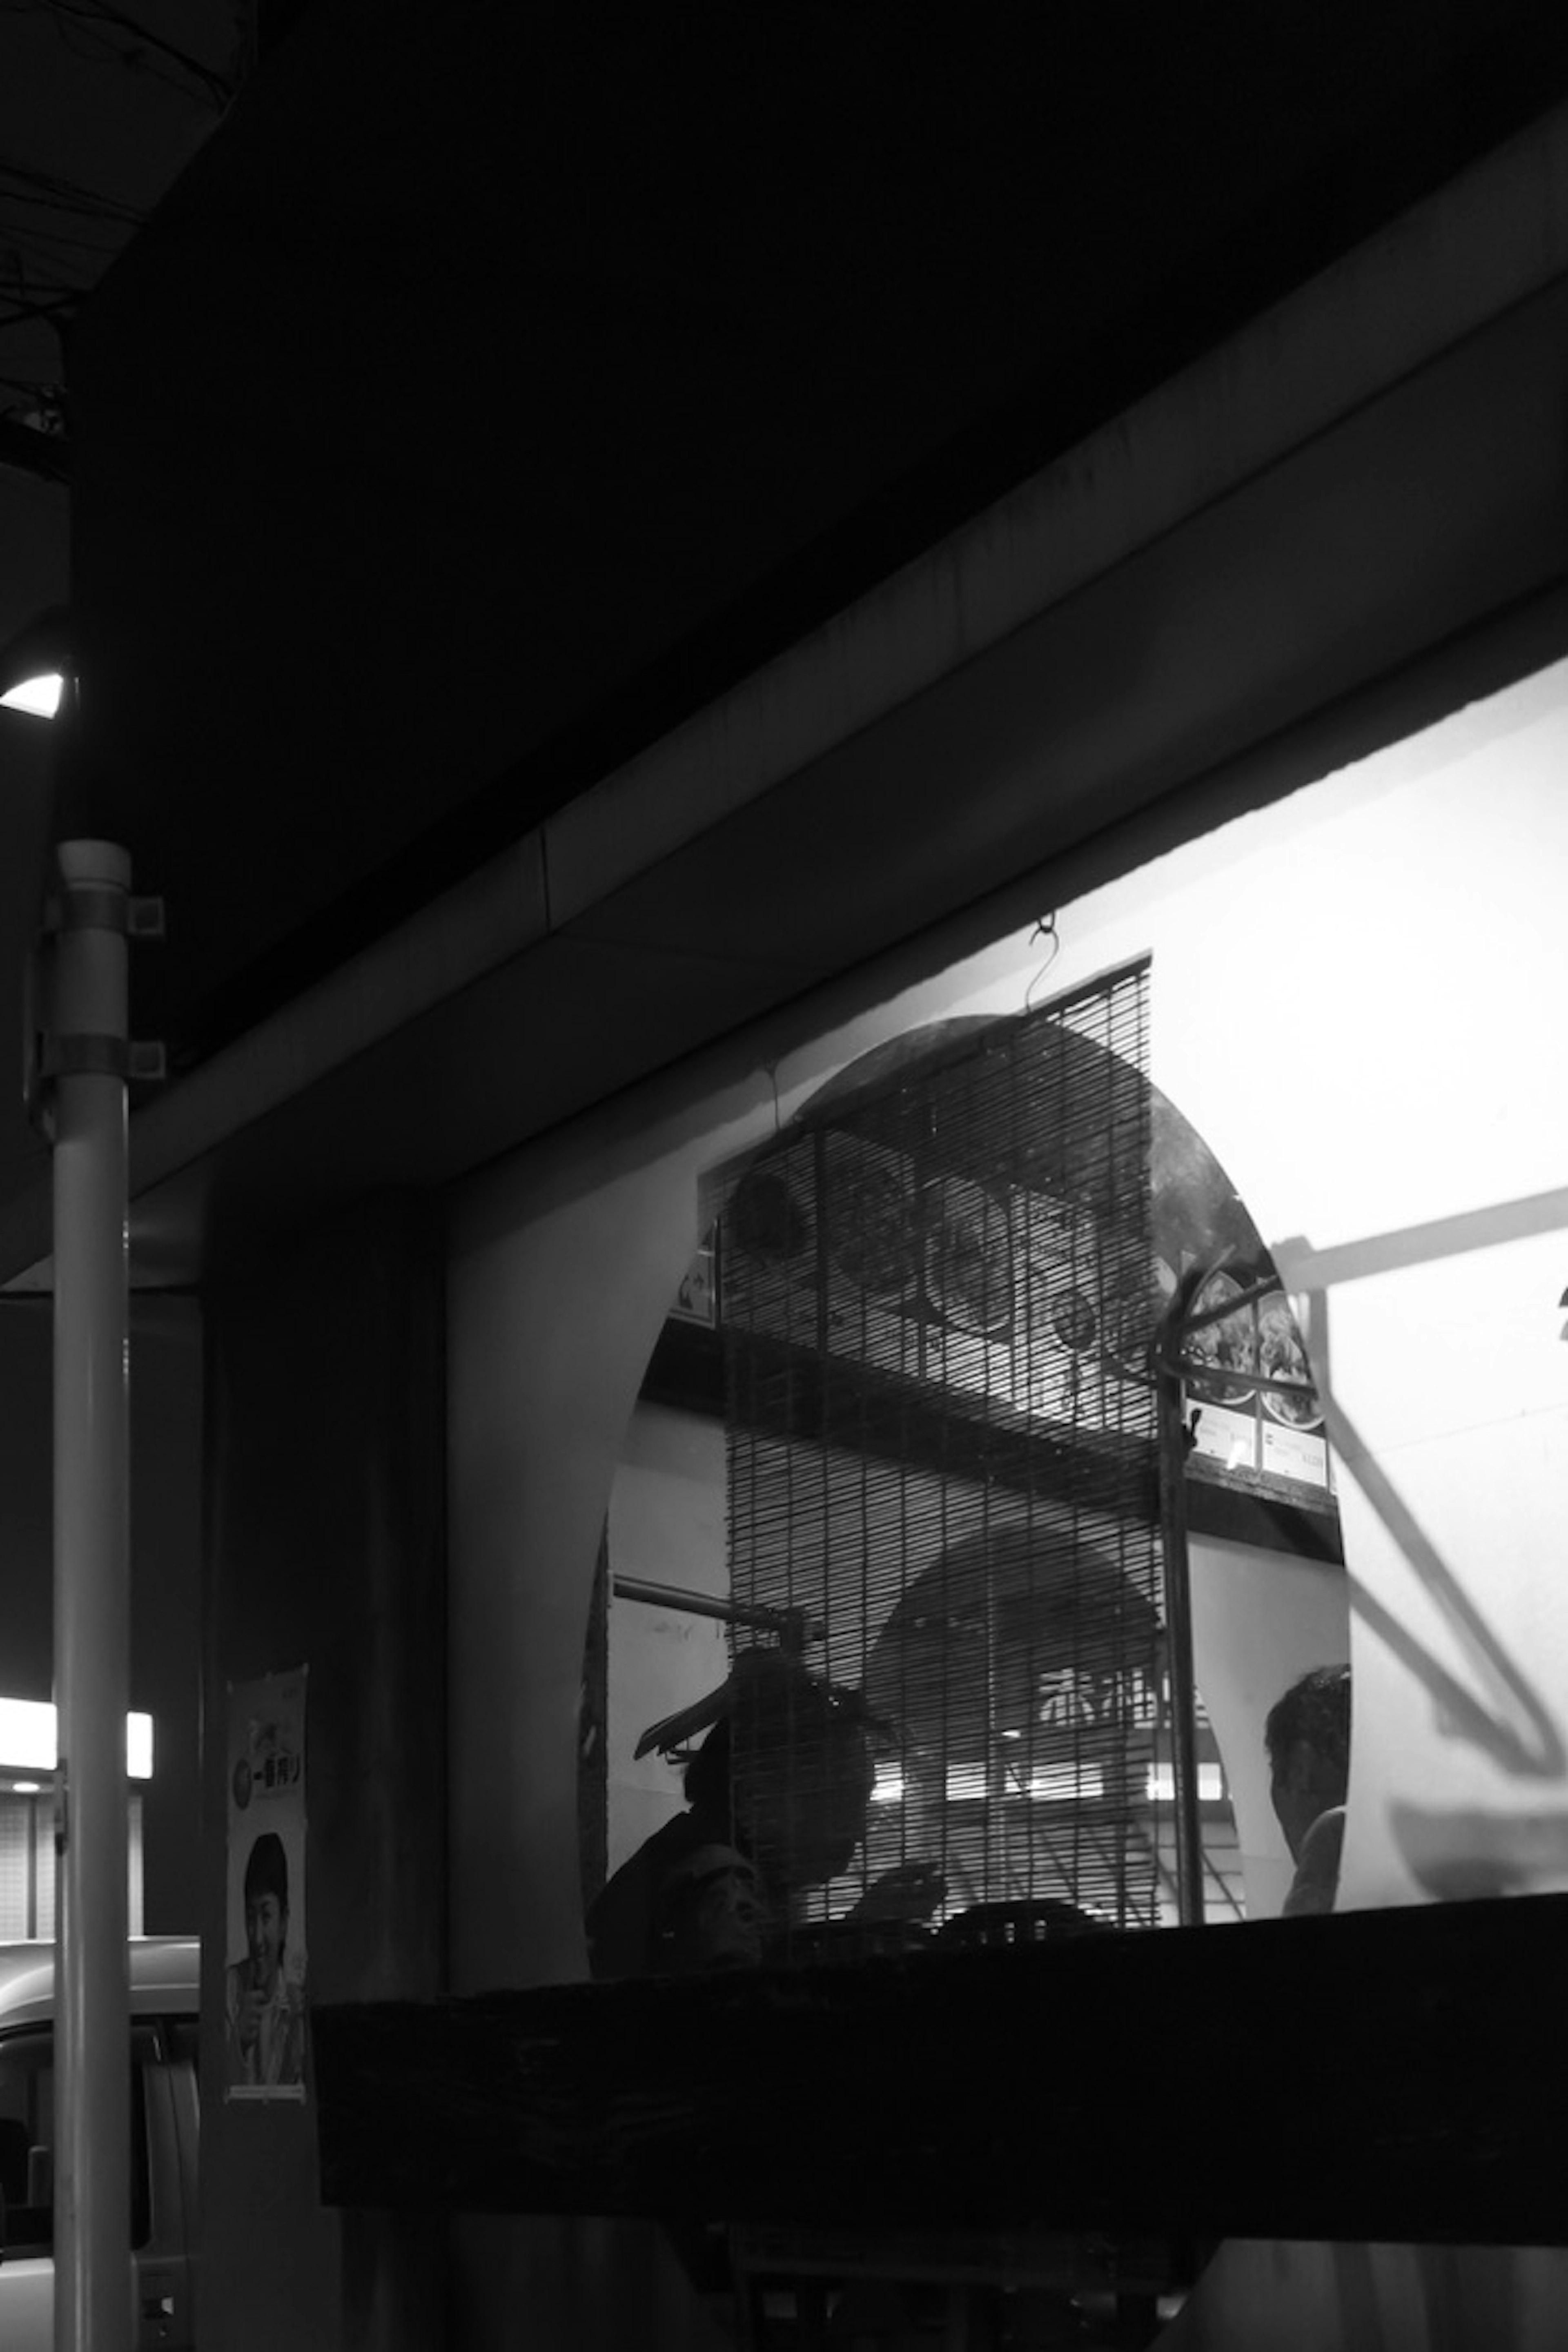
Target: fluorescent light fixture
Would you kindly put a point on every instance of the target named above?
(965, 1781)
(889, 1789)
(27, 1739)
(38, 696)
(27, 1787)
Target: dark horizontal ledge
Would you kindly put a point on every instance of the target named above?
(1271, 1514)
(1395, 2075)
(797, 1393)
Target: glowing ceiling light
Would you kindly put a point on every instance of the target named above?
(28, 1738)
(39, 695)
(36, 663)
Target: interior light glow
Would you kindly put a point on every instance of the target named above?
(27, 1733)
(27, 1739)
(965, 1781)
(889, 1789)
(1163, 1784)
(40, 696)
(1062, 1783)
(27, 1787)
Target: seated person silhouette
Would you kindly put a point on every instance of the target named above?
(1308, 1736)
(776, 1799)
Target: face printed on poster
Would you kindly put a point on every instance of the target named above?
(265, 1970)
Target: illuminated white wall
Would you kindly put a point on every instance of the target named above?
(667, 1527)
(1259, 1620)
(1357, 999)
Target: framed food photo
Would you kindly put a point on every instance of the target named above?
(1222, 1396)
(1293, 1444)
(1259, 1469)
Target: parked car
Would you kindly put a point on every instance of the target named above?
(166, 1974)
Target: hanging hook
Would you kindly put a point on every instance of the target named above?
(1045, 928)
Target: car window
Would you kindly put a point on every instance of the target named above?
(27, 2140)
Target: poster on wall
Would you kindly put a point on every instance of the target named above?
(264, 1952)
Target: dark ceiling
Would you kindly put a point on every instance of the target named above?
(499, 384)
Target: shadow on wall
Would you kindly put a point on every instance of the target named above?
(1463, 1852)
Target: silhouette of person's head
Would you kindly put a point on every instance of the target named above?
(1308, 1736)
(789, 1770)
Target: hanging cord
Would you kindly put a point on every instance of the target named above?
(1045, 929)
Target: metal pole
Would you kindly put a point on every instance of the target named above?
(86, 1047)
(1173, 1451)
(784, 1622)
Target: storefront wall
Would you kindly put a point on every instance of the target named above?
(1341, 517)
(1354, 998)
(324, 1534)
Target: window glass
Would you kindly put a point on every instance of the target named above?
(27, 2141)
